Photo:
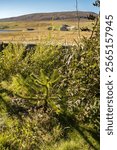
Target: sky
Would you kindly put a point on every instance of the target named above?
(12, 8)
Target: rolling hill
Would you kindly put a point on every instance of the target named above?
(50, 16)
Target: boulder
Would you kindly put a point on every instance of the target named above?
(85, 29)
(64, 28)
(72, 28)
(30, 29)
(50, 28)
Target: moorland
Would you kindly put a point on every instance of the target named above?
(36, 27)
(49, 94)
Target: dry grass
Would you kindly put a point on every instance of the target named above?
(41, 31)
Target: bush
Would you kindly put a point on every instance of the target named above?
(46, 90)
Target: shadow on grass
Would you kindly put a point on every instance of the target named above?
(86, 134)
(14, 110)
(86, 138)
(94, 134)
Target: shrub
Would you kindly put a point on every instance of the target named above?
(47, 89)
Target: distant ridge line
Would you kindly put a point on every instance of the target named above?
(67, 15)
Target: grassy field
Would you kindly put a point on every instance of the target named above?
(49, 95)
(41, 32)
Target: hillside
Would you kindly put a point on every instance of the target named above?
(49, 16)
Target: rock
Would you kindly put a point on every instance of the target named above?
(50, 28)
(85, 29)
(72, 28)
(30, 29)
(64, 28)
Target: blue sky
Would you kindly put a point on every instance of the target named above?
(10, 8)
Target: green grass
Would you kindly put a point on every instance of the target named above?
(76, 140)
(49, 96)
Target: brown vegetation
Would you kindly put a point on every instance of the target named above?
(50, 16)
(40, 31)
